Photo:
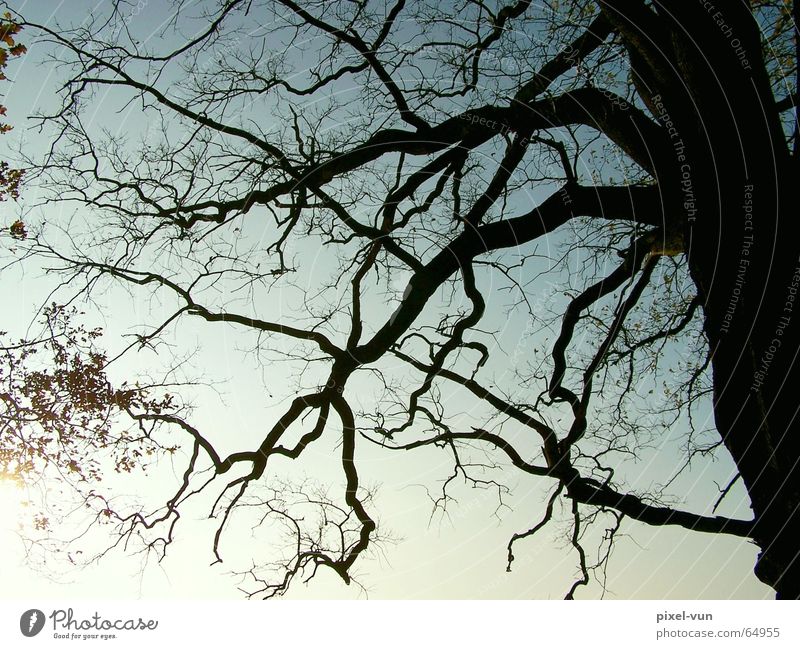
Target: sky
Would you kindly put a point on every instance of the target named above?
(459, 555)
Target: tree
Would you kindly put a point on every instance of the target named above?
(10, 178)
(642, 156)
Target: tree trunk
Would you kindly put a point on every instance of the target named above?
(752, 327)
(734, 184)
(744, 258)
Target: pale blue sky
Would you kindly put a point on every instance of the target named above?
(462, 556)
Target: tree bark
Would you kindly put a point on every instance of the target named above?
(732, 184)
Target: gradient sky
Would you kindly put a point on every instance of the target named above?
(459, 556)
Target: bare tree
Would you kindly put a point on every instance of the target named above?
(642, 156)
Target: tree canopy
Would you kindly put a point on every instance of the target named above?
(548, 240)
(10, 178)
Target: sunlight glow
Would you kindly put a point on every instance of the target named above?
(12, 507)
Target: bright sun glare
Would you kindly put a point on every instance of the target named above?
(12, 511)
(11, 505)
